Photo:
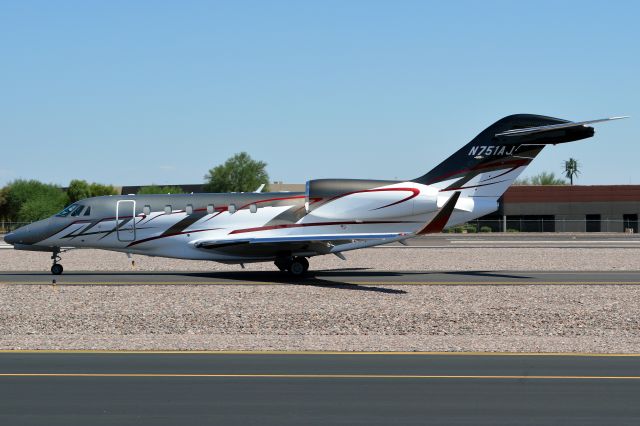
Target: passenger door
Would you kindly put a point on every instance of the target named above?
(126, 220)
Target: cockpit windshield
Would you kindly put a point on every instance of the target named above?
(77, 211)
(70, 210)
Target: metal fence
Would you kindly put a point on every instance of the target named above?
(547, 225)
(498, 225)
(10, 226)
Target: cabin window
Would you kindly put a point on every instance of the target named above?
(87, 212)
(232, 208)
(146, 210)
(253, 208)
(189, 209)
(210, 209)
(168, 209)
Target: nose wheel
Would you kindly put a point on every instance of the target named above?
(56, 268)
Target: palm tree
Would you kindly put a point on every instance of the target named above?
(571, 169)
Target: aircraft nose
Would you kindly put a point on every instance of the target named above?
(29, 234)
(10, 238)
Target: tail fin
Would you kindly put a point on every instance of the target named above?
(488, 164)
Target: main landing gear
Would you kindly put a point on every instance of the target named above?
(56, 268)
(295, 266)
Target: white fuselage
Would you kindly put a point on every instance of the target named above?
(176, 229)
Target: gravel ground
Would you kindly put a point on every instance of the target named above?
(388, 259)
(427, 318)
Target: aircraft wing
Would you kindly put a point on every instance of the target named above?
(300, 244)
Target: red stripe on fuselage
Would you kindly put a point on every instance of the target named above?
(301, 225)
(414, 191)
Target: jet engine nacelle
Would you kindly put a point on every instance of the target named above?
(348, 199)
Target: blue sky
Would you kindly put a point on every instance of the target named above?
(135, 92)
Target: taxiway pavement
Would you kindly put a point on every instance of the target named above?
(79, 388)
(326, 277)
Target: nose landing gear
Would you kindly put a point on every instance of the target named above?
(56, 268)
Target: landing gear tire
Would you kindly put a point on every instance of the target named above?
(56, 269)
(298, 266)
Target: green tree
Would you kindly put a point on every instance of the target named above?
(571, 169)
(522, 181)
(33, 195)
(3, 202)
(78, 190)
(98, 189)
(544, 178)
(155, 189)
(547, 178)
(239, 173)
(38, 208)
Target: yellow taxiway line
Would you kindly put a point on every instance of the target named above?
(321, 376)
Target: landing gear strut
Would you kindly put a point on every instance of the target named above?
(295, 266)
(56, 268)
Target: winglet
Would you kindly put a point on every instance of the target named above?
(438, 223)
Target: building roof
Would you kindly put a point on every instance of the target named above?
(571, 193)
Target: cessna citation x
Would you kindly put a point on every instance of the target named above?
(332, 216)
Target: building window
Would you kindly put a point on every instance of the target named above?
(168, 209)
(253, 208)
(630, 221)
(593, 223)
(531, 223)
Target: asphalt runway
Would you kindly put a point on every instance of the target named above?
(68, 388)
(342, 277)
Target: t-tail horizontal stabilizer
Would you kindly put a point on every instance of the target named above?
(549, 128)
